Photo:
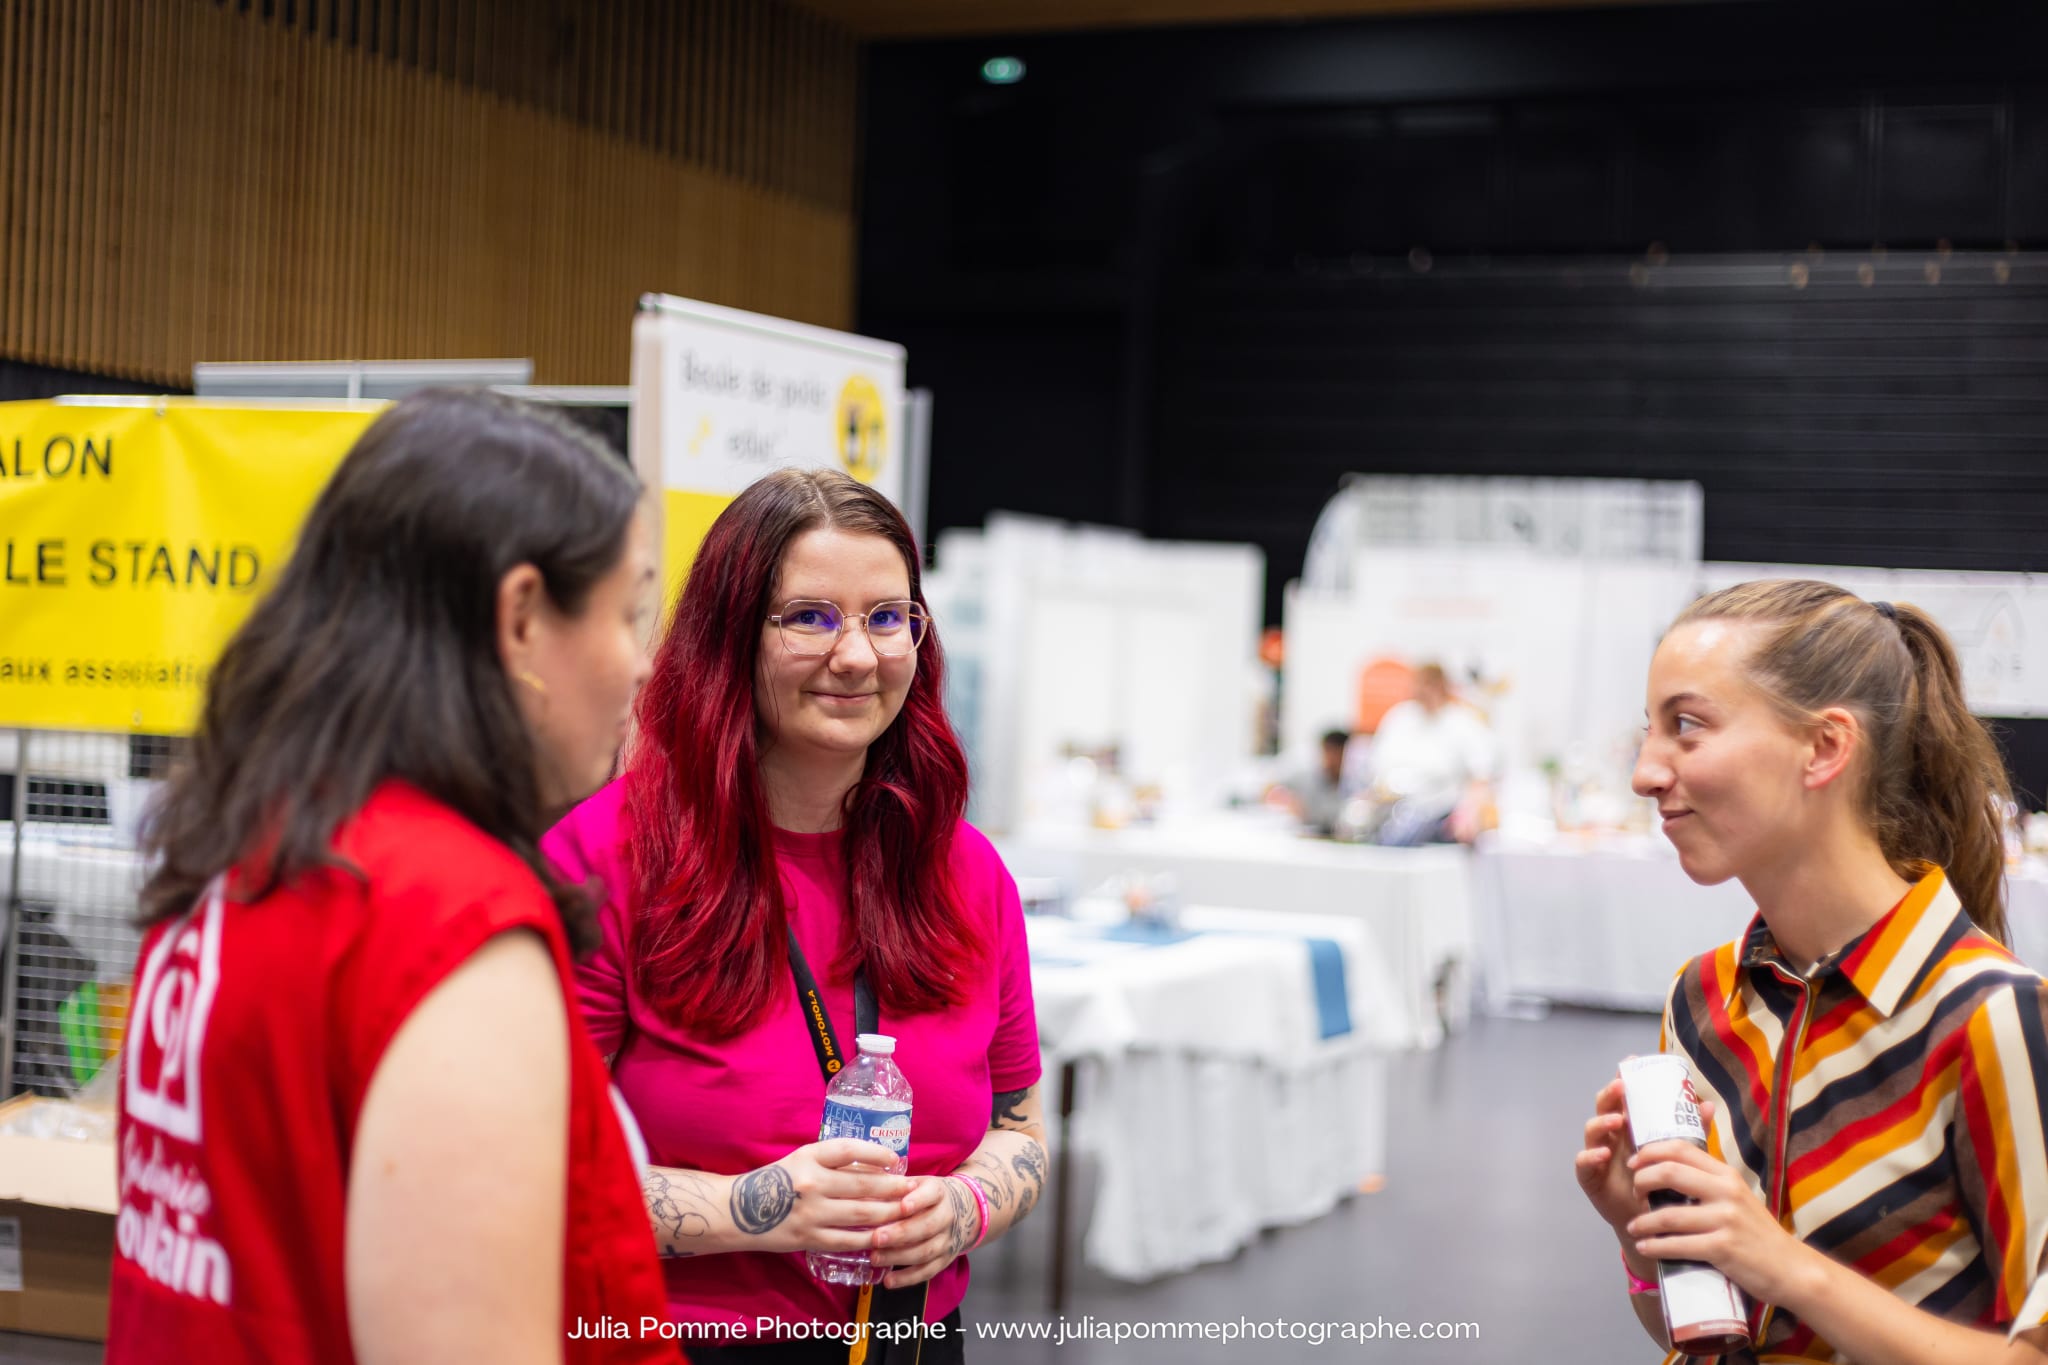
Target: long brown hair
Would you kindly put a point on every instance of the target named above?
(376, 656)
(1934, 787)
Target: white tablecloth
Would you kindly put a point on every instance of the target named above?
(1610, 923)
(1416, 903)
(1209, 1099)
(1606, 924)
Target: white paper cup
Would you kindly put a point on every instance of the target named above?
(1661, 1102)
(1704, 1311)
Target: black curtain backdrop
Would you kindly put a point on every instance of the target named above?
(1184, 280)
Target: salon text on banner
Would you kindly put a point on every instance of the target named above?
(134, 538)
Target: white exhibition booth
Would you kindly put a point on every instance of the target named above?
(1099, 678)
(1606, 917)
(1105, 687)
(1089, 665)
(1545, 599)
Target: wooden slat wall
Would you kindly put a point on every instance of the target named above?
(186, 180)
(620, 66)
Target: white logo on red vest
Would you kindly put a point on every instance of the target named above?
(165, 1203)
(167, 1027)
(162, 1230)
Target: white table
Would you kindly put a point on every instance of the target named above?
(1416, 903)
(1609, 921)
(1208, 1096)
(1595, 923)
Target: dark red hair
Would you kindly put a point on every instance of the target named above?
(710, 942)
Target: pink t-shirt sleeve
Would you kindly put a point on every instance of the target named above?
(587, 847)
(1013, 1059)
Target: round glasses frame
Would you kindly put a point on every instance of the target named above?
(916, 624)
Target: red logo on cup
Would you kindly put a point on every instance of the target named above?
(1687, 1111)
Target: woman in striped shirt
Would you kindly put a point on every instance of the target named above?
(1870, 1057)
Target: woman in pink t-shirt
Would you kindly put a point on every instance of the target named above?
(796, 785)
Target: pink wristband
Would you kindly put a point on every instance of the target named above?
(1636, 1283)
(980, 1202)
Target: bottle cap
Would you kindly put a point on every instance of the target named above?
(876, 1044)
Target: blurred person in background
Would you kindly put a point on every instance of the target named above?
(359, 1122)
(1317, 796)
(1870, 1057)
(1433, 764)
(791, 815)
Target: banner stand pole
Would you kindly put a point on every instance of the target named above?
(10, 942)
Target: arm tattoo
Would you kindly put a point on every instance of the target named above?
(1030, 1166)
(761, 1200)
(1006, 1111)
(1011, 1175)
(966, 1217)
(676, 1207)
(994, 1179)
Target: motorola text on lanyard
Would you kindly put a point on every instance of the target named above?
(824, 1041)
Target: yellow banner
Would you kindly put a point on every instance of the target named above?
(134, 538)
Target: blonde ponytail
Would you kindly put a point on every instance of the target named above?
(1951, 805)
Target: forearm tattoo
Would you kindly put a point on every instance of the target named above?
(1030, 1166)
(678, 1205)
(1007, 1110)
(994, 1178)
(1013, 1177)
(966, 1217)
(762, 1199)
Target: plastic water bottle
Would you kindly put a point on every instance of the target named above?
(870, 1101)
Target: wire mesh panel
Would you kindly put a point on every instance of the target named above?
(71, 871)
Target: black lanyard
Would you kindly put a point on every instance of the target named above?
(889, 1305)
(824, 1038)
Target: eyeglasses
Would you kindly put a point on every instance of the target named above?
(810, 629)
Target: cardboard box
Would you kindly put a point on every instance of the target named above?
(57, 1204)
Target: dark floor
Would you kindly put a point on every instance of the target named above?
(1480, 1222)
(46, 1351)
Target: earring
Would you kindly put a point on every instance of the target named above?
(527, 676)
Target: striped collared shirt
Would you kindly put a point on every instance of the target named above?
(1916, 1064)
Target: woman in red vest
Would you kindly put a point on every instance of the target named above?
(358, 1121)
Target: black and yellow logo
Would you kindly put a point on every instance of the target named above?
(817, 1008)
(861, 428)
